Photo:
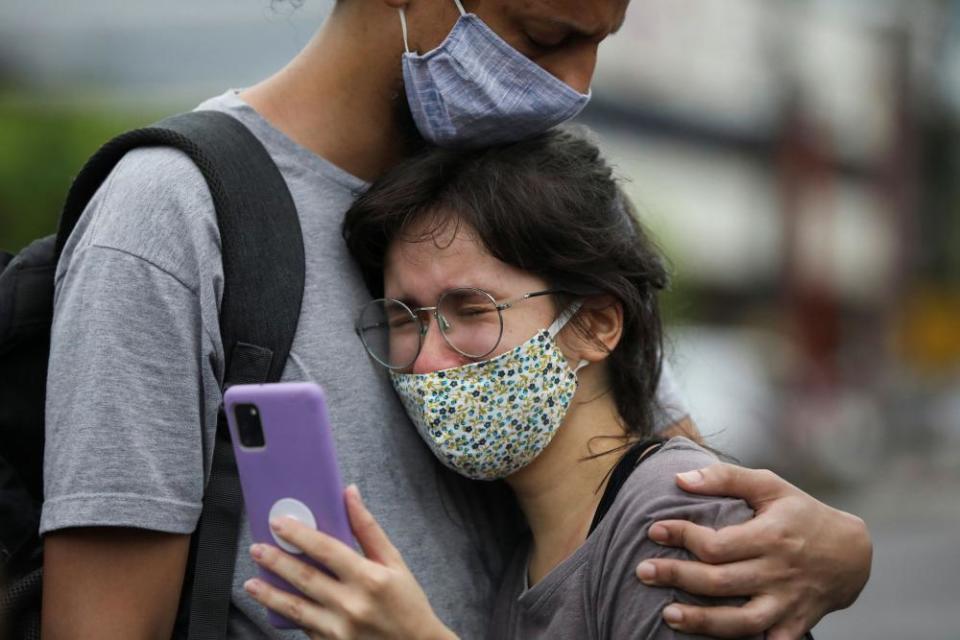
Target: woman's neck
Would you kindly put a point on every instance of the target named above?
(560, 490)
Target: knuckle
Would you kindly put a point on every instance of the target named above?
(375, 582)
(668, 572)
(796, 548)
(766, 476)
(768, 613)
(755, 621)
(357, 611)
(676, 531)
(858, 524)
(694, 618)
(713, 549)
(319, 549)
(293, 609)
(672, 527)
(717, 473)
(781, 535)
(801, 509)
(776, 533)
(305, 574)
(721, 582)
(664, 530)
(366, 520)
(271, 556)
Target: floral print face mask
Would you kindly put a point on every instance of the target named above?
(487, 420)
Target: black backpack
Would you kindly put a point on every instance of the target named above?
(263, 264)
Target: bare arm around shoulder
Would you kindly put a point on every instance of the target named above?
(106, 583)
(797, 559)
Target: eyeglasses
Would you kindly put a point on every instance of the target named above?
(470, 321)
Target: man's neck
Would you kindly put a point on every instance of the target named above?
(336, 97)
(559, 491)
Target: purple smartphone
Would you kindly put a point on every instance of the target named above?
(285, 456)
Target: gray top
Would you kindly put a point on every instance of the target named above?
(594, 594)
(136, 362)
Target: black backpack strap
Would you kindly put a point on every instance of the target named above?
(637, 453)
(263, 266)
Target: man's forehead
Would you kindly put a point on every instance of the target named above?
(591, 17)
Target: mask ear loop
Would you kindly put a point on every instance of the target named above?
(403, 28)
(565, 316)
(403, 22)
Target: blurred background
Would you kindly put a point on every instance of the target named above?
(799, 161)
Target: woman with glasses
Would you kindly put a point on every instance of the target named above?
(516, 315)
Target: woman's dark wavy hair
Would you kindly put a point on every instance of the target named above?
(550, 206)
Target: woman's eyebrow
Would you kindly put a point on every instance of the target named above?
(495, 292)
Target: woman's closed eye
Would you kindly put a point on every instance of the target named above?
(401, 322)
(466, 312)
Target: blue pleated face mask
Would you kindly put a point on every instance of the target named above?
(476, 90)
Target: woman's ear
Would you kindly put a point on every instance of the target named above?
(595, 330)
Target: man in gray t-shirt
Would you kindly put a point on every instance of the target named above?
(136, 357)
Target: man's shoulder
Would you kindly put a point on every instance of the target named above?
(152, 187)
(154, 205)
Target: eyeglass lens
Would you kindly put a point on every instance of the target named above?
(468, 319)
(472, 323)
(390, 332)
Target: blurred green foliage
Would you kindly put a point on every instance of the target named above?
(42, 147)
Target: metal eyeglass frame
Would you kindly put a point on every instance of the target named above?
(423, 327)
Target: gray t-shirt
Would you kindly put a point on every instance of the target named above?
(136, 363)
(594, 594)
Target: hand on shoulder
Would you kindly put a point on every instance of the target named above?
(798, 559)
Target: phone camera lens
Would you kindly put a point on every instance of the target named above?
(249, 427)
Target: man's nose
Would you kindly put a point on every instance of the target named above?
(436, 354)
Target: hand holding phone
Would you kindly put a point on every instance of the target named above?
(287, 465)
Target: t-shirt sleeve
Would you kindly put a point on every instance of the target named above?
(133, 375)
(626, 608)
(670, 407)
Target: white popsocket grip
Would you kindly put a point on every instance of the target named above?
(291, 508)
